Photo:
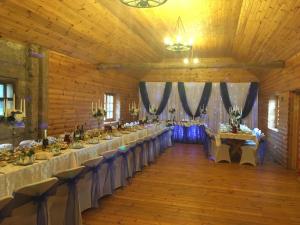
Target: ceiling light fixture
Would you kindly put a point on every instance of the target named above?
(179, 42)
(143, 3)
(186, 61)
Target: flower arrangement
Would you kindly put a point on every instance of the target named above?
(172, 110)
(235, 115)
(25, 155)
(152, 109)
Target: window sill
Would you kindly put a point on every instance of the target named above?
(273, 129)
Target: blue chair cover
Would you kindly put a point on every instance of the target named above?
(132, 149)
(96, 184)
(262, 150)
(72, 214)
(124, 167)
(110, 174)
(6, 211)
(41, 201)
(142, 163)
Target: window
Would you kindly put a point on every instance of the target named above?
(6, 92)
(273, 113)
(109, 106)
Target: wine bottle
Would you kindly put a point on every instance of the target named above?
(77, 134)
(45, 140)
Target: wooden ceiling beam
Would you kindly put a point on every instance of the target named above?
(202, 65)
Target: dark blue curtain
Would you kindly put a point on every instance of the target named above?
(182, 95)
(251, 98)
(164, 101)
(144, 95)
(225, 96)
(203, 101)
(204, 98)
(165, 98)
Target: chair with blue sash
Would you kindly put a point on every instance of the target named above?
(131, 158)
(30, 204)
(89, 186)
(64, 206)
(5, 207)
(138, 155)
(108, 172)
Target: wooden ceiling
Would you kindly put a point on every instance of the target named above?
(106, 31)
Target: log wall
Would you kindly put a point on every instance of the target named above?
(279, 83)
(74, 84)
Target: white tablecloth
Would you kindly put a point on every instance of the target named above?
(13, 177)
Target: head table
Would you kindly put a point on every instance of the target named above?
(13, 176)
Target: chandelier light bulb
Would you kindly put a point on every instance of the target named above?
(179, 39)
(195, 60)
(191, 42)
(167, 40)
(186, 61)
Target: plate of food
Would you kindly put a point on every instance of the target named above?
(93, 141)
(77, 145)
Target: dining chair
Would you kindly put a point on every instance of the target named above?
(30, 204)
(108, 172)
(64, 206)
(5, 207)
(138, 155)
(89, 186)
(220, 152)
(248, 154)
(131, 158)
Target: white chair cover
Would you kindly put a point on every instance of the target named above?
(30, 204)
(89, 185)
(64, 207)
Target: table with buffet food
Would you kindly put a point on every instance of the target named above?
(59, 156)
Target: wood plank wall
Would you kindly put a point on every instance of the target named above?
(73, 84)
(202, 75)
(279, 83)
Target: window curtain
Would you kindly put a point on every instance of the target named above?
(250, 99)
(215, 108)
(165, 97)
(202, 103)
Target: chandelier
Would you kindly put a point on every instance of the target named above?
(143, 3)
(179, 42)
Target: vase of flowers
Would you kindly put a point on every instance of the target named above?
(235, 115)
(99, 114)
(153, 111)
(172, 111)
(25, 155)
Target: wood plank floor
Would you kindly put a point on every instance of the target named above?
(184, 188)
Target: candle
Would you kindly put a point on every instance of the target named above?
(45, 133)
(24, 108)
(96, 107)
(99, 103)
(14, 102)
(5, 112)
(92, 107)
(21, 106)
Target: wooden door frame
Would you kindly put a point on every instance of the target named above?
(293, 129)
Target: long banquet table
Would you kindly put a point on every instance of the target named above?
(13, 177)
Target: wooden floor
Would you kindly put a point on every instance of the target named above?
(184, 188)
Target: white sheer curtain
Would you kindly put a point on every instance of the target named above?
(216, 111)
